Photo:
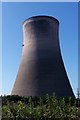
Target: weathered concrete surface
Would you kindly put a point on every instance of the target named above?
(41, 69)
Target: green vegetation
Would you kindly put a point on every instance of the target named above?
(40, 108)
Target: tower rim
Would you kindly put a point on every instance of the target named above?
(37, 17)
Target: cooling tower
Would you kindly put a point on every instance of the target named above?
(41, 68)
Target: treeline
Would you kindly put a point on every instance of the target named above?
(40, 108)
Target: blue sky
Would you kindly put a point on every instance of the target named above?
(78, 46)
(0, 48)
(13, 14)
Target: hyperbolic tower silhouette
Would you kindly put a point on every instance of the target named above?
(41, 68)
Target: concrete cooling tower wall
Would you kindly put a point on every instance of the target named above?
(41, 68)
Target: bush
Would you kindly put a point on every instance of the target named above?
(40, 108)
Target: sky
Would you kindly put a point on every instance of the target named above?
(39, 0)
(13, 14)
(78, 46)
(0, 48)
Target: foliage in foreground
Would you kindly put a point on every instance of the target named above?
(42, 108)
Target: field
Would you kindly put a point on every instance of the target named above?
(40, 108)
